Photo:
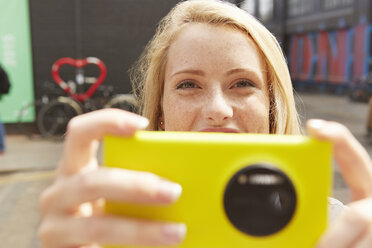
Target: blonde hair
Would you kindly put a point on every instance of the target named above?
(148, 73)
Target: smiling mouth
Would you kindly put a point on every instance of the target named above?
(220, 130)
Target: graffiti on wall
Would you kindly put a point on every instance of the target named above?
(337, 57)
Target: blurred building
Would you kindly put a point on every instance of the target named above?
(327, 42)
(272, 13)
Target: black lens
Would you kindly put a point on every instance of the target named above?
(260, 200)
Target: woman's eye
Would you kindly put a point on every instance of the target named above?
(187, 85)
(244, 83)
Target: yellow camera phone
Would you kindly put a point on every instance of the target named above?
(239, 190)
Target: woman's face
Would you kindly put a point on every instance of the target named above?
(215, 81)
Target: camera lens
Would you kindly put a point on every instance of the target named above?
(260, 200)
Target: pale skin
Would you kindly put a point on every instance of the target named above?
(217, 82)
(207, 88)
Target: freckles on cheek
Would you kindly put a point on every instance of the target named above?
(178, 116)
(255, 116)
(172, 115)
(257, 124)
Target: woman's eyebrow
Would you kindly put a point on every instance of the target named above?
(255, 72)
(189, 71)
(239, 70)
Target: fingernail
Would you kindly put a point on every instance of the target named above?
(174, 233)
(143, 123)
(169, 191)
(316, 123)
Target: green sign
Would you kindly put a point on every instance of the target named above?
(16, 58)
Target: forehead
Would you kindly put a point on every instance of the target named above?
(199, 43)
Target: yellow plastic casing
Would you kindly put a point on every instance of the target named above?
(203, 164)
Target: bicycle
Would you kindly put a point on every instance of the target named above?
(53, 116)
(28, 111)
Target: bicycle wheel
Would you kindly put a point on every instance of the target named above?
(124, 101)
(53, 117)
(25, 117)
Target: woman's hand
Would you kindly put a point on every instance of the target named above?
(353, 228)
(71, 208)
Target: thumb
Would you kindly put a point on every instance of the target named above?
(351, 157)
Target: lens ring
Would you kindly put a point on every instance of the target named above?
(260, 199)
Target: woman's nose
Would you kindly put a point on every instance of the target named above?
(218, 109)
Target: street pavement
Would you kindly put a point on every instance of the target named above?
(28, 166)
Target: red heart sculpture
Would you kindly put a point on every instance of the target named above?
(79, 63)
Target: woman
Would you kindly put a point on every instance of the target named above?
(210, 67)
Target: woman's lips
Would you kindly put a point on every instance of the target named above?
(220, 130)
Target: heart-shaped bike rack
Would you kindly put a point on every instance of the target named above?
(79, 63)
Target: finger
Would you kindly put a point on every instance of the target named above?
(71, 232)
(350, 226)
(366, 240)
(84, 131)
(352, 159)
(112, 184)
